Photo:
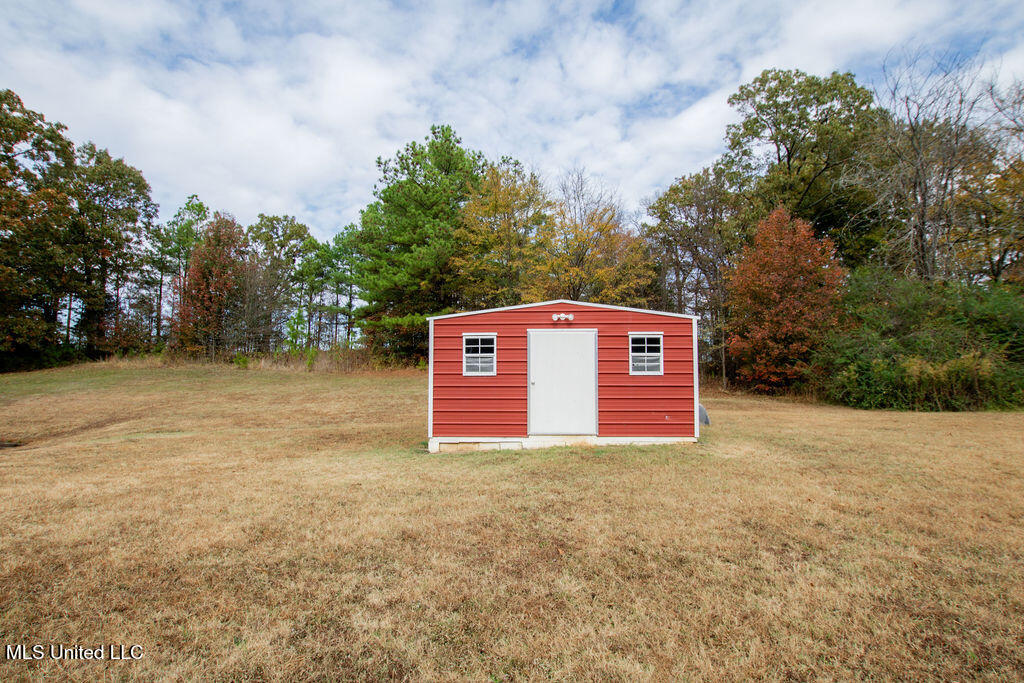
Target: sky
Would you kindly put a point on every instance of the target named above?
(283, 108)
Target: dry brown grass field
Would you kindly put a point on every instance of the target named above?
(283, 525)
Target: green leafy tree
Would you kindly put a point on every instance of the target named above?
(407, 242)
(295, 331)
(798, 134)
(37, 252)
(114, 211)
(279, 244)
(342, 254)
(170, 246)
(313, 274)
(696, 235)
(280, 239)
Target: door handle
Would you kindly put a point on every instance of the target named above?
(532, 383)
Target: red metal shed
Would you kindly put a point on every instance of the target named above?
(561, 372)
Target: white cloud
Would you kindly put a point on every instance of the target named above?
(822, 36)
(279, 108)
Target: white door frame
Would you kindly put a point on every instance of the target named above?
(529, 390)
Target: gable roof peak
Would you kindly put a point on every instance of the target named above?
(563, 301)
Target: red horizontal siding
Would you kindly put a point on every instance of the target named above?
(477, 392)
(628, 405)
(633, 392)
(636, 415)
(487, 430)
(664, 403)
(479, 403)
(646, 430)
(480, 415)
(505, 366)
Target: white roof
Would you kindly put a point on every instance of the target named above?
(563, 301)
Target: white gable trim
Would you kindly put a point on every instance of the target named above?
(430, 382)
(563, 301)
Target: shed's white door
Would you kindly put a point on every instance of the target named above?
(563, 381)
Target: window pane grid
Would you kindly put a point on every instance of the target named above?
(645, 354)
(478, 345)
(478, 356)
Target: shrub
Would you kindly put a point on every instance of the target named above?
(909, 344)
(46, 357)
(295, 331)
(394, 340)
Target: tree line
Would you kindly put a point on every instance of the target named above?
(86, 270)
(824, 185)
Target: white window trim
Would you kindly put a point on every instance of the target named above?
(661, 356)
(476, 335)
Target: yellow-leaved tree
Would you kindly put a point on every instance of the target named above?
(589, 254)
(987, 239)
(503, 227)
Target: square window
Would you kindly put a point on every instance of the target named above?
(479, 356)
(645, 354)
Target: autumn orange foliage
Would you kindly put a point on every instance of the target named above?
(783, 298)
(209, 288)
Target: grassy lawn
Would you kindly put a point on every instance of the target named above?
(274, 524)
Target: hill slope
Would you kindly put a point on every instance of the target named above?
(244, 524)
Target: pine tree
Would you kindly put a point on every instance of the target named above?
(407, 242)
